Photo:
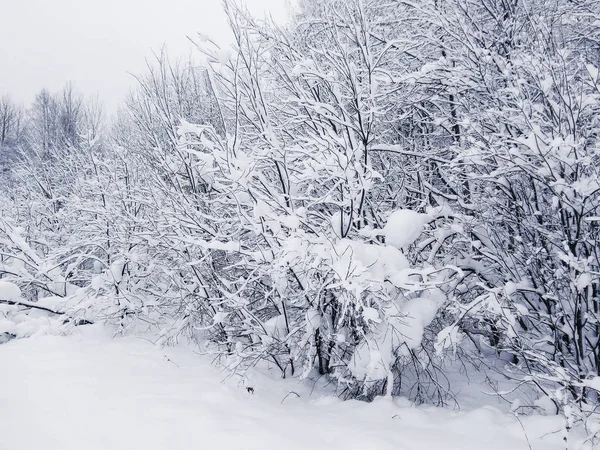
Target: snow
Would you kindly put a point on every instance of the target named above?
(90, 391)
(593, 383)
(583, 281)
(371, 314)
(418, 314)
(9, 291)
(401, 332)
(313, 320)
(223, 56)
(219, 317)
(403, 227)
(375, 262)
(593, 71)
(448, 337)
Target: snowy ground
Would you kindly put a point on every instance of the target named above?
(90, 392)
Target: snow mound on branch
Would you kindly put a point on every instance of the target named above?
(372, 261)
(403, 227)
(9, 291)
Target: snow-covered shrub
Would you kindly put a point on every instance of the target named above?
(299, 264)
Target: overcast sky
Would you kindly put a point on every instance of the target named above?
(95, 43)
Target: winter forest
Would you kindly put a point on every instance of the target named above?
(379, 198)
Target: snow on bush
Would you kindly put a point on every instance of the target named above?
(18, 320)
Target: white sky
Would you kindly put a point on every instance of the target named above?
(95, 43)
